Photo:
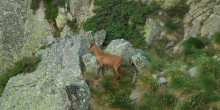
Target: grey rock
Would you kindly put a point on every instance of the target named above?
(121, 48)
(170, 44)
(137, 93)
(81, 10)
(211, 25)
(139, 51)
(140, 62)
(155, 76)
(196, 26)
(198, 20)
(79, 95)
(65, 30)
(176, 48)
(99, 37)
(217, 10)
(44, 88)
(193, 71)
(152, 30)
(162, 80)
(48, 40)
(171, 3)
(90, 63)
(61, 18)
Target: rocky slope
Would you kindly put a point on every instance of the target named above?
(57, 84)
(21, 30)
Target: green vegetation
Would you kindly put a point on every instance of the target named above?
(42, 47)
(114, 94)
(114, 15)
(179, 10)
(216, 37)
(172, 25)
(191, 45)
(25, 65)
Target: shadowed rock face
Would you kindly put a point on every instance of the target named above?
(49, 86)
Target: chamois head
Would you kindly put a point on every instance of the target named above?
(92, 46)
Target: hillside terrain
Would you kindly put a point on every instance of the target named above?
(170, 49)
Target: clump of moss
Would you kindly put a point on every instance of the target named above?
(42, 47)
(25, 65)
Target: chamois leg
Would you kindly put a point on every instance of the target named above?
(122, 71)
(101, 66)
(97, 76)
(116, 72)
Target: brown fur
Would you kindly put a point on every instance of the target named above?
(107, 59)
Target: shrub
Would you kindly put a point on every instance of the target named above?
(192, 44)
(172, 25)
(25, 65)
(71, 24)
(179, 10)
(113, 16)
(51, 11)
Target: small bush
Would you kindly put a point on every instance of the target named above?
(179, 10)
(192, 44)
(51, 11)
(172, 25)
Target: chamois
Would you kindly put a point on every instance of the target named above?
(107, 59)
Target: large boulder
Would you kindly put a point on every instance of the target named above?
(152, 30)
(79, 95)
(81, 10)
(56, 84)
(140, 62)
(121, 48)
(97, 37)
(90, 63)
(211, 25)
(200, 17)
